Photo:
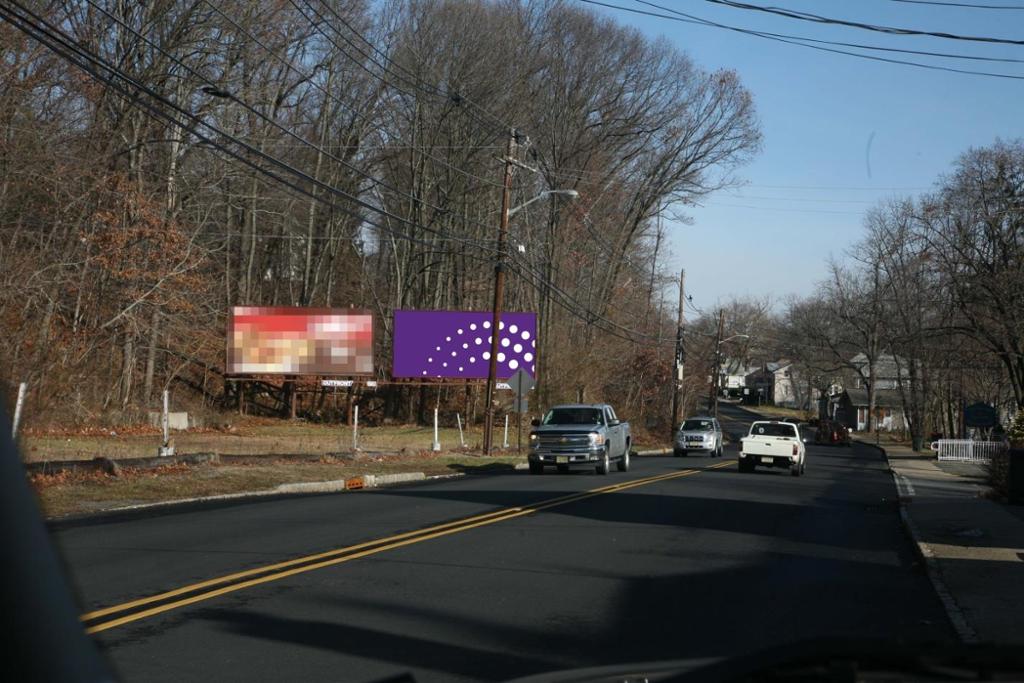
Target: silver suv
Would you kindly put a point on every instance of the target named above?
(699, 433)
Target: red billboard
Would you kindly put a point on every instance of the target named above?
(299, 341)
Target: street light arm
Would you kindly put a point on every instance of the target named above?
(572, 194)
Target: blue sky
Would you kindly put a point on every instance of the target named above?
(862, 130)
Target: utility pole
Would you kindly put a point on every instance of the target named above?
(680, 359)
(499, 288)
(718, 362)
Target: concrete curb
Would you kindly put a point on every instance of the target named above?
(367, 481)
(905, 496)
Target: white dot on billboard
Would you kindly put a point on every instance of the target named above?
(501, 358)
(437, 348)
(453, 354)
(461, 368)
(513, 364)
(487, 355)
(447, 338)
(430, 360)
(459, 331)
(444, 365)
(518, 348)
(465, 346)
(486, 325)
(513, 329)
(424, 372)
(533, 368)
(527, 357)
(479, 341)
(501, 326)
(504, 342)
(472, 359)
(472, 326)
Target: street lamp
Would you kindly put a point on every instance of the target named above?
(718, 365)
(499, 283)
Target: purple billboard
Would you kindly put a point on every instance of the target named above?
(458, 344)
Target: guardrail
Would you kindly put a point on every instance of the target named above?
(966, 450)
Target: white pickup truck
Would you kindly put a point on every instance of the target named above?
(773, 444)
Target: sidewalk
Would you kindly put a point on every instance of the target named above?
(973, 547)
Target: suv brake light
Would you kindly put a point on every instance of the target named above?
(794, 450)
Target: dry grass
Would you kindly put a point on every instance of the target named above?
(781, 411)
(250, 437)
(83, 492)
(259, 436)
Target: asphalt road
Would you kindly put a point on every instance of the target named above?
(687, 559)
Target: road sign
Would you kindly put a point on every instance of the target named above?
(503, 385)
(336, 383)
(521, 382)
(980, 415)
(520, 406)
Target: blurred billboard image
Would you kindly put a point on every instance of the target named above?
(457, 344)
(299, 341)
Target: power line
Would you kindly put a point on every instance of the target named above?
(271, 121)
(417, 83)
(458, 98)
(53, 38)
(308, 77)
(691, 19)
(891, 30)
(968, 5)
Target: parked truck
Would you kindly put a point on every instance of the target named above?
(579, 435)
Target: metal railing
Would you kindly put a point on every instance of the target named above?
(967, 450)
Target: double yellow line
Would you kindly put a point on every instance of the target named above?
(135, 610)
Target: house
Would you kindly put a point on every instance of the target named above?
(781, 383)
(790, 386)
(733, 375)
(850, 407)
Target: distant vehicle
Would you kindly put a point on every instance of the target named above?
(771, 443)
(699, 433)
(832, 433)
(580, 435)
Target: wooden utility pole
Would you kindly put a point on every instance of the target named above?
(499, 288)
(718, 363)
(680, 358)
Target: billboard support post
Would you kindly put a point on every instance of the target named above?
(436, 446)
(462, 440)
(505, 444)
(355, 429)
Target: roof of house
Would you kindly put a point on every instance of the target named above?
(884, 398)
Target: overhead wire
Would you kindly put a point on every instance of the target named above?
(54, 39)
(308, 77)
(676, 15)
(878, 28)
(302, 141)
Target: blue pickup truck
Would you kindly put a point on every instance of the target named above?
(580, 435)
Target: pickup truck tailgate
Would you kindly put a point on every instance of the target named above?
(768, 445)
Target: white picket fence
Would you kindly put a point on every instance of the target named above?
(966, 450)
